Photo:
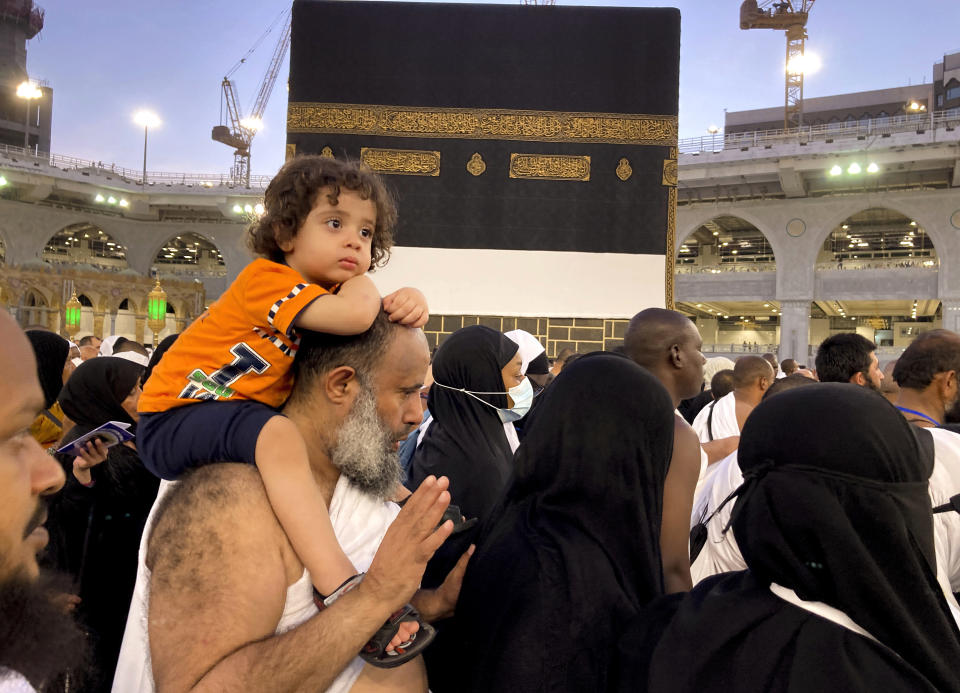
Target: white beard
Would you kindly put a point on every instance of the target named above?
(364, 449)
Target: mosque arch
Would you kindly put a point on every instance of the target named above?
(127, 303)
(725, 243)
(85, 243)
(886, 230)
(188, 254)
(33, 308)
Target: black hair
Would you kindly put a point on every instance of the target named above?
(936, 351)
(842, 356)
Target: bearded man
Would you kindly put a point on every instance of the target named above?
(224, 603)
(39, 641)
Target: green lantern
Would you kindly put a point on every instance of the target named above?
(71, 315)
(157, 311)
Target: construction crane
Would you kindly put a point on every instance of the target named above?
(236, 130)
(789, 16)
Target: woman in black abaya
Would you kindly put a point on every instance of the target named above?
(572, 550)
(466, 441)
(835, 525)
(95, 523)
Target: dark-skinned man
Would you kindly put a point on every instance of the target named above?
(667, 344)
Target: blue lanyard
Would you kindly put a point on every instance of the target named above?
(920, 414)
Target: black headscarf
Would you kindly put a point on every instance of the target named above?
(572, 551)
(51, 351)
(466, 441)
(95, 391)
(157, 354)
(835, 506)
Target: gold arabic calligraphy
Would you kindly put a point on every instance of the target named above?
(550, 166)
(497, 124)
(411, 162)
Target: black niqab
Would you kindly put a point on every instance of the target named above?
(51, 351)
(835, 506)
(572, 551)
(466, 441)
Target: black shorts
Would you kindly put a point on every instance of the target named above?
(173, 441)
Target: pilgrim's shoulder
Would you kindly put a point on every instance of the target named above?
(683, 433)
(210, 508)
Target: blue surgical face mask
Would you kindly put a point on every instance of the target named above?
(522, 396)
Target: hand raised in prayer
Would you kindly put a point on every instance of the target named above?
(409, 543)
(407, 306)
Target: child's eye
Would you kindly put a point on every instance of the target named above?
(366, 233)
(333, 223)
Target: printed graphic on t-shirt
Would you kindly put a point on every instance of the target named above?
(217, 384)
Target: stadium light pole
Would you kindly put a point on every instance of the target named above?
(148, 119)
(28, 91)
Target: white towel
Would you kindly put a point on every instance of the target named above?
(723, 423)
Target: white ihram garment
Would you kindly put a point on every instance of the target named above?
(724, 420)
(359, 521)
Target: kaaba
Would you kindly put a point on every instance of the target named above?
(532, 149)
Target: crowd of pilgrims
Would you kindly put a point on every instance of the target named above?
(840, 576)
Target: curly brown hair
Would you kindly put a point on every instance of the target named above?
(292, 194)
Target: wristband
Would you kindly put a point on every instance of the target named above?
(323, 602)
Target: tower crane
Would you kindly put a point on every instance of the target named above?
(235, 130)
(789, 16)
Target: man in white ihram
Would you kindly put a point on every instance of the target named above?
(223, 603)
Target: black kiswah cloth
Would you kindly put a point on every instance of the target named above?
(51, 351)
(835, 506)
(466, 441)
(572, 550)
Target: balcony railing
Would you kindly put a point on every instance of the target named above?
(132, 176)
(947, 120)
(930, 265)
(727, 267)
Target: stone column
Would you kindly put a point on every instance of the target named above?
(794, 330)
(951, 314)
(98, 324)
(141, 328)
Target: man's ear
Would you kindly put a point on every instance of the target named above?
(859, 379)
(339, 384)
(947, 385)
(763, 383)
(676, 357)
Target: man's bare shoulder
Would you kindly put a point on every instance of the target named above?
(682, 430)
(205, 513)
(686, 444)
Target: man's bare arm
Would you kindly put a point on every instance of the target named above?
(678, 493)
(718, 449)
(219, 582)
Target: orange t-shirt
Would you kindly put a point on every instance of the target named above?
(242, 349)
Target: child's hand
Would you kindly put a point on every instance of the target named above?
(407, 306)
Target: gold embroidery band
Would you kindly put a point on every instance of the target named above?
(550, 167)
(670, 255)
(482, 124)
(409, 162)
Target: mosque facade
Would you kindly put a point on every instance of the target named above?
(780, 238)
